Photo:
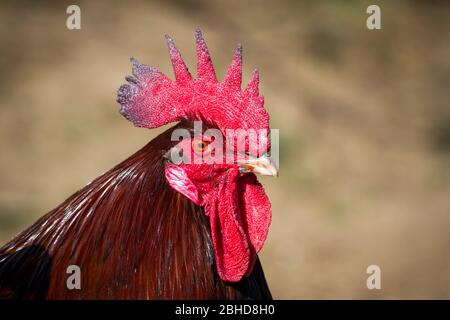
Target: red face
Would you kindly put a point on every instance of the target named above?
(223, 182)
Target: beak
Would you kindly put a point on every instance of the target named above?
(263, 165)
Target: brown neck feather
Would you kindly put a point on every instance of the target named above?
(132, 236)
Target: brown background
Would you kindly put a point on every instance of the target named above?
(363, 115)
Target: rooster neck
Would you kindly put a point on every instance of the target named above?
(131, 235)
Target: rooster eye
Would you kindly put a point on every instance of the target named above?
(199, 145)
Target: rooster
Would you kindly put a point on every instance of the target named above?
(158, 226)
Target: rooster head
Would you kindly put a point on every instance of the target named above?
(214, 165)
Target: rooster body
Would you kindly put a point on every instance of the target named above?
(153, 227)
(132, 236)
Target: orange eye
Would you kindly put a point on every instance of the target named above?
(199, 145)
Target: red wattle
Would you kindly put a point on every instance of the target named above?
(239, 213)
(240, 216)
(255, 208)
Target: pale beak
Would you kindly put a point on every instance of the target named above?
(263, 165)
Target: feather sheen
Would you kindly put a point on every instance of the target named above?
(132, 236)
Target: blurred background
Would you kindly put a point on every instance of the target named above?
(364, 121)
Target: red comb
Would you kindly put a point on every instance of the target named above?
(151, 99)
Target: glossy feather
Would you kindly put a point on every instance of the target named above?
(133, 237)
